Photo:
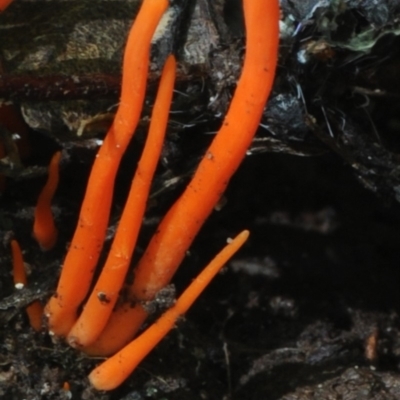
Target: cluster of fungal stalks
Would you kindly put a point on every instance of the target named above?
(104, 327)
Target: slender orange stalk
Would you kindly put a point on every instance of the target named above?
(183, 221)
(82, 257)
(34, 310)
(117, 368)
(104, 296)
(44, 229)
(4, 4)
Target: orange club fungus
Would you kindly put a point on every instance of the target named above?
(105, 327)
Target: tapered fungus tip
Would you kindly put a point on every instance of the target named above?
(47, 238)
(242, 236)
(44, 229)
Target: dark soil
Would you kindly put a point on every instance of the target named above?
(309, 308)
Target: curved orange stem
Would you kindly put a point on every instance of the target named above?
(117, 368)
(183, 221)
(105, 294)
(82, 257)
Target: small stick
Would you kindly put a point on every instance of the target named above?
(35, 309)
(117, 368)
(86, 245)
(98, 309)
(44, 229)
